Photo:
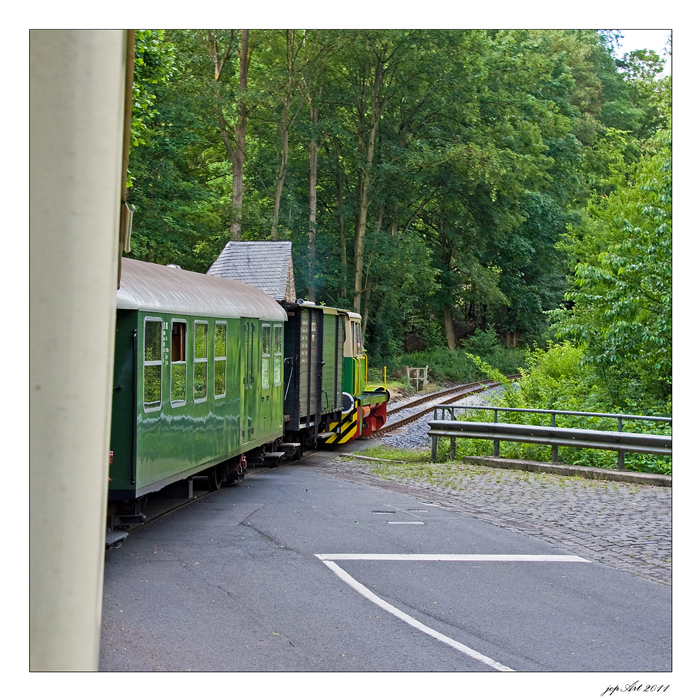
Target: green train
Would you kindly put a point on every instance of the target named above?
(212, 375)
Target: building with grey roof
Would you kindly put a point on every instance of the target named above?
(266, 265)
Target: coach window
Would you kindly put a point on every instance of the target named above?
(152, 364)
(278, 355)
(178, 366)
(201, 355)
(219, 359)
(266, 347)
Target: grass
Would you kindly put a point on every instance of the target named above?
(414, 466)
(396, 454)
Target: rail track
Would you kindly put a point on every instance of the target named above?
(440, 397)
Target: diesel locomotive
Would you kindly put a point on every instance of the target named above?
(212, 375)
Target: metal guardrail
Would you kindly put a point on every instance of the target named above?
(553, 435)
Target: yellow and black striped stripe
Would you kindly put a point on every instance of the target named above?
(345, 429)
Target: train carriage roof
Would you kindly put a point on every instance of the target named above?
(150, 287)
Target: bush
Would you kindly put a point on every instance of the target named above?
(557, 378)
(457, 365)
(486, 346)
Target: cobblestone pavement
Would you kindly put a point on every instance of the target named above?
(625, 526)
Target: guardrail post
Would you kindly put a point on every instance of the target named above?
(453, 448)
(555, 448)
(433, 453)
(620, 454)
(496, 443)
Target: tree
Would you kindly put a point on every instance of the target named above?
(622, 297)
(232, 119)
(650, 92)
(173, 165)
(459, 158)
(153, 66)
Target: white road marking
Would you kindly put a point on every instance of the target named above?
(405, 522)
(330, 559)
(452, 557)
(410, 620)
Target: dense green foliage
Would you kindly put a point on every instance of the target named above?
(461, 189)
(448, 366)
(559, 378)
(622, 294)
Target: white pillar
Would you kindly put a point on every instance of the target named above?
(76, 127)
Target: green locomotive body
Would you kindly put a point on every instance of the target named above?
(370, 404)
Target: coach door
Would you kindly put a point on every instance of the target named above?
(249, 363)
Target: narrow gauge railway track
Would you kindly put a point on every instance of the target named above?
(437, 397)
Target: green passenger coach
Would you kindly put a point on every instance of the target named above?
(198, 380)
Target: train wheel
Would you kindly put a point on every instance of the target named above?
(215, 480)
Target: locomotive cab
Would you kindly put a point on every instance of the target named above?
(369, 404)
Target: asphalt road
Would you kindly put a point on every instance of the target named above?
(295, 569)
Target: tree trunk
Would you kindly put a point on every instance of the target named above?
(368, 279)
(365, 182)
(449, 327)
(341, 222)
(313, 166)
(282, 170)
(365, 316)
(285, 125)
(511, 338)
(220, 61)
(245, 53)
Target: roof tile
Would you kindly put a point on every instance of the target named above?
(266, 265)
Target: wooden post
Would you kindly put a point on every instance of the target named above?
(496, 443)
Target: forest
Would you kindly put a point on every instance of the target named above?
(503, 195)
